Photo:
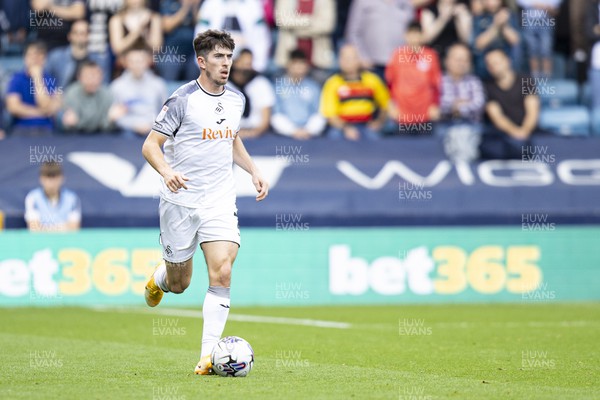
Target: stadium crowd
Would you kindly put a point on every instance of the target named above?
(345, 69)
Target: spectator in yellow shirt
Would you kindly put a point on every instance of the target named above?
(354, 101)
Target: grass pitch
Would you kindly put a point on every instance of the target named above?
(538, 351)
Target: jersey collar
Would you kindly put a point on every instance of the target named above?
(208, 93)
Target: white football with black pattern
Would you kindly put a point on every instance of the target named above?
(232, 356)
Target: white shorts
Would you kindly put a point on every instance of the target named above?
(182, 229)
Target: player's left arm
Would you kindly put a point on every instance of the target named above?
(243, 159)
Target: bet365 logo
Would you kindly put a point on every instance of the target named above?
(448, 270)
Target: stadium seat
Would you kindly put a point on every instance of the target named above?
(593, 82)
(559, 66)
(8, 66)
(595, 122)
(567, 121)
(586, 95)
(174, 85)
(557, 93)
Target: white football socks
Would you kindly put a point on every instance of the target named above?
(160, 276)
(214, 312)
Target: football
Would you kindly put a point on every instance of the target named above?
(232, 356)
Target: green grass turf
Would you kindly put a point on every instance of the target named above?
(539, 351)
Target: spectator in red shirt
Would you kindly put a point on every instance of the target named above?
(414, 77)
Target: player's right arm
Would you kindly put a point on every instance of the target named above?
(152, 152)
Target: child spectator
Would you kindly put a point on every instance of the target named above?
(140, 92)
(296, 112)
(414, 76)
(51, 207)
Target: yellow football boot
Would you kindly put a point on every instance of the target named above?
(153, 293)
(204, 366)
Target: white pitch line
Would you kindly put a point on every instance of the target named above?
(180, 312)
(512, 324)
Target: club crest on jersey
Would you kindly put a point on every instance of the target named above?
(219, 110)
(213, 134)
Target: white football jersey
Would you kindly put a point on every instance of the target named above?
(201, 127)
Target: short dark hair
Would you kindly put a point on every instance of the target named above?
(298, 55)
(87, 64)
(458, 44)
(243, 51)
(51, 168)
(414, 26)
(496, 50)
(139, 45)
(78, 21)
(38, 45)
(208, 40)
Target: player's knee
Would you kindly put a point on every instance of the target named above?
(224, 275)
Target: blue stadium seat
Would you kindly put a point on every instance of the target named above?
(173, 86)
(586, 95)
(8, 66)
(559, 66)
(595, 122)
(567, 121)
(557, 93)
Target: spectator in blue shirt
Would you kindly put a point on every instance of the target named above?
(33, 96)
(64, 62)
(176, 59)
(51, 207)
(495, 29)
(296, 113)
